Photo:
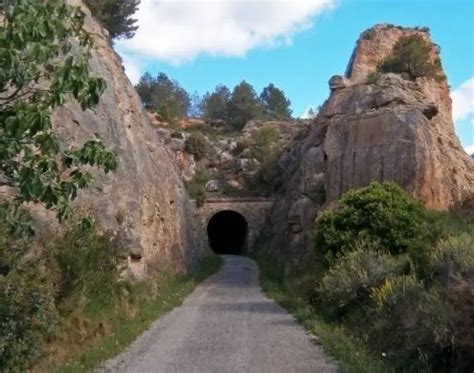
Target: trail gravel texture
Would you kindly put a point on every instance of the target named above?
(226, 325)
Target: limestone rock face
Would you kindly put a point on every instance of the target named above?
(144, 203)
(388, 130)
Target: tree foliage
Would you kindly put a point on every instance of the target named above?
(275, 103)
(244, 105)
(115, 16)
(44, 54)
(215, 104)
(164, 96)
(381, 212)
(411, 56)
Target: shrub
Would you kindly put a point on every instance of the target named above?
(453, 259)
(346, 287)
(197, 186)
(461, 297)
(411, 325)
(380, 212)
(268, 178)
(267, 136)
(87, 261)
(411, 57)
(263, 145)
(196, 144)
(374, 77)
(27, 309)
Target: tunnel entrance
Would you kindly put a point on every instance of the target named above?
(227, 233)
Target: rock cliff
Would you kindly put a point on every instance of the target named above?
(372, 127)
(144, 203)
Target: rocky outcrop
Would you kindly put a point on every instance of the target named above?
(387, 129)
(144, 204)
(233, 159)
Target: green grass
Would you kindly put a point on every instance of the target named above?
(349, 353)
(124, 331)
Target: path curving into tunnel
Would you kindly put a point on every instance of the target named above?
(227, 232)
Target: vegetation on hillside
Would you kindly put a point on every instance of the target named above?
(215, 104)
(116, 16)
(196, 144)
(243, 105)
(231, 109)
(164, 96)
(396, 278)
(275, 103)
(411, 57)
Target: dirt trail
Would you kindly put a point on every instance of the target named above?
(226, 325)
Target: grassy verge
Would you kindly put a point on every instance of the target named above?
(350, 354)
(125, 322)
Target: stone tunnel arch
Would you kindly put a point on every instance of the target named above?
(253, 209)
(227, 232)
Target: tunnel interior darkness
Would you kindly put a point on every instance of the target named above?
(227, 233)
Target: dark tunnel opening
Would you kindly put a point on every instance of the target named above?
(227, 233)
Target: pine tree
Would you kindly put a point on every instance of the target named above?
(275, 103)
(244, 105)
(215, 104)
(164, 96)
(115, 16)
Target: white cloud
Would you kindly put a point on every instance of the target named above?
(307, 113)
(179, 31)
(469, 149)
(132, 68)
(463, 101)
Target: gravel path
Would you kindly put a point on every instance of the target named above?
(226, 325)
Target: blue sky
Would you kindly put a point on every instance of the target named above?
(297, 45)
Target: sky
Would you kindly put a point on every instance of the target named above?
(295, 44)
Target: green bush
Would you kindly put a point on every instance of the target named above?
(412, 325)
(400, 278)
(196, 144)
(453, 258)
(461, 297)
(380, 212)
(267, 136)
(27, 308)
(268, 178)
(87, 262)
(411, 57)
(197, 186)
(39, 286)
(345, 289)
